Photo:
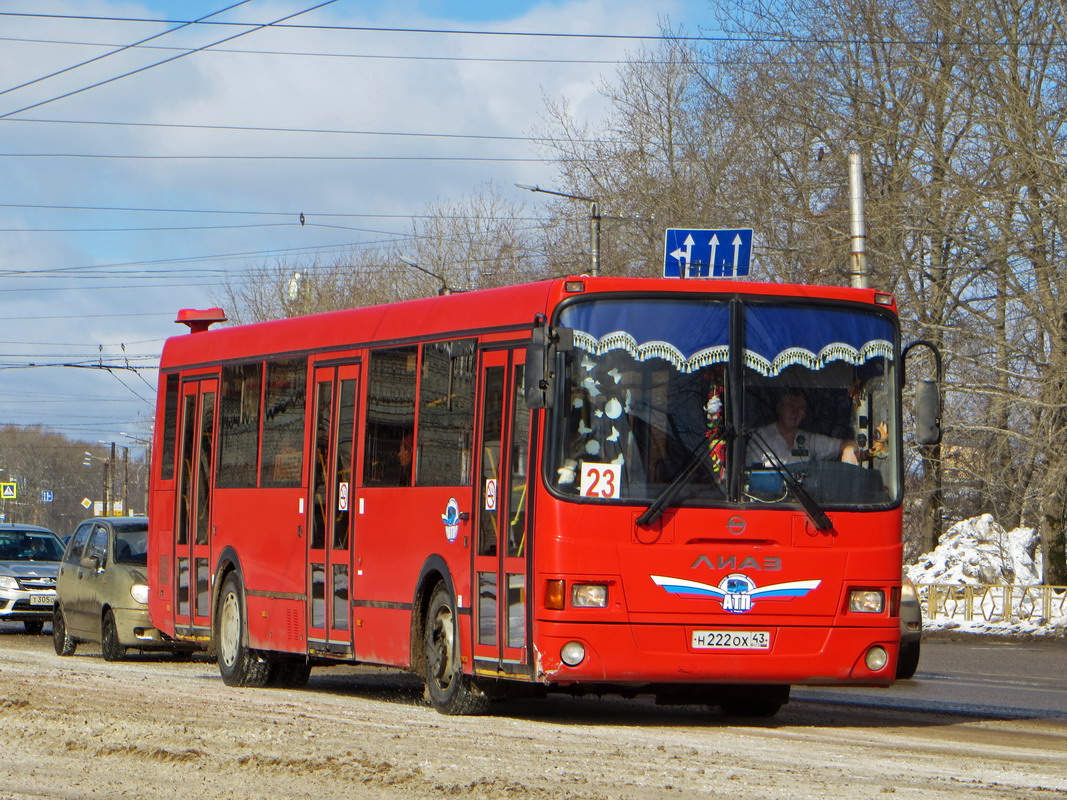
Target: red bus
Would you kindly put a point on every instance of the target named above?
(577, 485)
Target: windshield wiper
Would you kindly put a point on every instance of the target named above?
(811, 508)
(667, 496)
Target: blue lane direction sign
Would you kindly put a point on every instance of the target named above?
(706, 253)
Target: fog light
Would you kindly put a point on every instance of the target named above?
(589, 595)
(572, 653)
(876, 658)
(866, 601)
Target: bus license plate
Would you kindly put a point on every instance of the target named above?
(731, 640)
(42, 600)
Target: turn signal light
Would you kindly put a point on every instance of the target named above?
(555, 594)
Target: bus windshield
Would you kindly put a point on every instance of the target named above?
(714, 401)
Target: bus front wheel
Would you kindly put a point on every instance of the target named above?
(448, 689)
(238, 665)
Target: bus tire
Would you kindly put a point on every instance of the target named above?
(290, 672)
(64, 643)
(907, 661)
(753, 702)
(110, 648)
(238, 664)
(447, 688)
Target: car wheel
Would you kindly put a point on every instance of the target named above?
(109, 638)
(907, 660)
(449, 690)
(64, 643)
(238, 664)
(34, 626)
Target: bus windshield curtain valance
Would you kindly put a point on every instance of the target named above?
(688, 334)
(693, 334)
(778, 336)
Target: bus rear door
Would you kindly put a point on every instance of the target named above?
(192, 530)
(502, 556)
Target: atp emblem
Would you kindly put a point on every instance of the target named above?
(737, 592)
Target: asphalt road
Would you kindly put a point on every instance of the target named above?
(979, 676)
(985, 676)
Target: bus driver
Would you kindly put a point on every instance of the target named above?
(790, 443)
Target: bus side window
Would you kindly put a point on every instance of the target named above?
(390, 417)
(446, 414)
(284, 410)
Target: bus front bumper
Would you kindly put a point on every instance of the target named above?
(573, 653)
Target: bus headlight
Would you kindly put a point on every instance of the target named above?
(589, 595)
(139, 592)
(572, 653)
(866, 601)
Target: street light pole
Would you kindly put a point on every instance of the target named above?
(594, 221)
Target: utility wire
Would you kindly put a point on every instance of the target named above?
(121, 49)
(317, 131)
(168, 60)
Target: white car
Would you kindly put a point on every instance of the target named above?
(29, 560)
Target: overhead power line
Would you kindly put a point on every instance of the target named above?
(317, 131)
(168, 60)
(136, 157)
(120, 49)
(361, 56)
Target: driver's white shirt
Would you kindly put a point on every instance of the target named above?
(807, 446)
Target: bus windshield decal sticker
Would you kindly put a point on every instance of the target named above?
(736, 591)
(451, 519)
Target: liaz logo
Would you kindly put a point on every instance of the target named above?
(736, 591)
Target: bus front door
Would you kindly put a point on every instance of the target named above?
(329, 542)
(501, 561)
(192, 530)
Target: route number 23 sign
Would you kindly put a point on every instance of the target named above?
(601, 480)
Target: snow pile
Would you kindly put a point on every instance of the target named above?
(980, 551)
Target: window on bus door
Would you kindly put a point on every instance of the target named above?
(391, 380)
(644, 399)
(819, 402)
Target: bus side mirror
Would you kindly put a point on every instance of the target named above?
(927, 413)
(541, 363)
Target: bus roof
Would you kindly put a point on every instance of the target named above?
(498, 310)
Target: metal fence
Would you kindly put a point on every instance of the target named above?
(1036, 605)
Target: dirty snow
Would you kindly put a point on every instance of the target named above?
(980, 551)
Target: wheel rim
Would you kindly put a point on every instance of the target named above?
(442, 648)
(229, 629)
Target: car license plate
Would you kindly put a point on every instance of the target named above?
(42, 600)
(731, 640)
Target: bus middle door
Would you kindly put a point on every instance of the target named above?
(330, 539)
(501, 560)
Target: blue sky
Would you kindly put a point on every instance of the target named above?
(126, 202)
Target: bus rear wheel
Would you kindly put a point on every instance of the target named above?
(238, 664)
(448, 689)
